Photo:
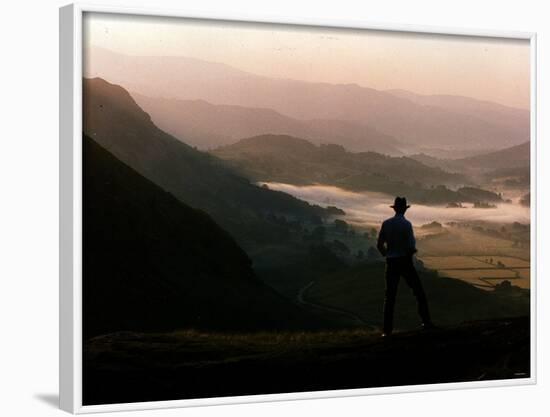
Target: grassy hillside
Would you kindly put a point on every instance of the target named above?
(360, 289)
(152, 263)
(197, 365)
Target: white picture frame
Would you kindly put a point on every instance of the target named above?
(70, 153)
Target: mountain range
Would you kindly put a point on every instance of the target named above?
(113, 119)
(449, 123)
(208, 126)
(152, 263)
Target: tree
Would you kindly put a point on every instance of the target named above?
(340, 246)
(318, 233)
(340, 225)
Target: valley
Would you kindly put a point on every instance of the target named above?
(483, 247)
(322, 222)
(231, 213)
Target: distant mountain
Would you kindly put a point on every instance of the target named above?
(433, 161)
(116, 122)
(447, 153)
(154, 264)
(513, 157)
(292, 160)
(508, 159)
(486, 110)
(207, 126)
(407, 121)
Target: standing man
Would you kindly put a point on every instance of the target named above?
(397, 243)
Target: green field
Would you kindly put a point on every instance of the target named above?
(457, 241)
(472, 254)
(452, 262)
(487, 278)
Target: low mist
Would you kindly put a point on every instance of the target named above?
(372, 208)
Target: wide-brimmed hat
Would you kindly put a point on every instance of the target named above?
(400, 203)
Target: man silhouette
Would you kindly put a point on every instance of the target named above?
(397, 243)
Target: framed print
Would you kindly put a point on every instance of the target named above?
(258, 209)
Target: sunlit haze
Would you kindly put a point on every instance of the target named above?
(489, 69)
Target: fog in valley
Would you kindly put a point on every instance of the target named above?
(368, 208)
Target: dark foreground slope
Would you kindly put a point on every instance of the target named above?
(129, 367)
(152, 263)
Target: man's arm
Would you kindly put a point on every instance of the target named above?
(412, 240)
(381, 245)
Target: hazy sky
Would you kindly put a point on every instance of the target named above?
(490, 69)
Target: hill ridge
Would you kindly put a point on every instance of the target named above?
(152, 263)
(191, 121)
(114, 120)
